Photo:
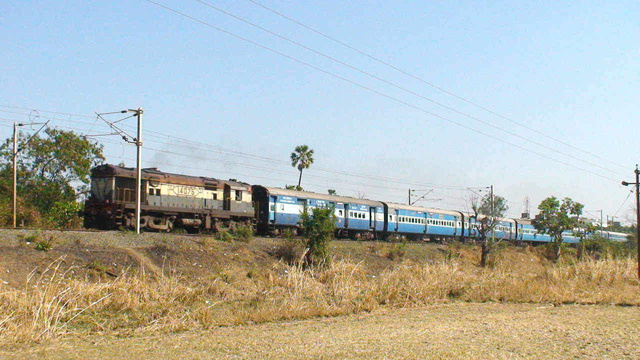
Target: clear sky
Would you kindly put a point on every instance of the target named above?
(218, 106)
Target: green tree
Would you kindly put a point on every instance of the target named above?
(302, 158)
(487, 215)
(556, 217)
(318, 227)
(53, 171)
(332, 192)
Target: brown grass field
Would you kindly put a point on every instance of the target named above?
(119, 295)
(447, 331)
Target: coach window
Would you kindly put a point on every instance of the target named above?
(238, 195)
(215, 196)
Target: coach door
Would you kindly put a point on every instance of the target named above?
(397, 218)
(346, 216)
(227, 197)
(372, 217)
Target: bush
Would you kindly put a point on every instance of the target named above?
(318, 227)
(65, 214)
(599, 247)
(396, 251)
(224, 235)
(45, 244)
(243, 232)
(289, 250)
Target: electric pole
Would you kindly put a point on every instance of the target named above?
(137, 140)
(15, 173)
(138, 168)
(14, 196)
(637, 184)
(601, 225)
(493, 218)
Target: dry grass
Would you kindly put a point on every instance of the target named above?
(450, 331)
(54, 303)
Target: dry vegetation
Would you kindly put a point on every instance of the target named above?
(158, 298)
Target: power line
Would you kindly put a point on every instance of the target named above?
(401, 87)
(183, 141)
(373, 90)
(621, 205)
(244, 165)
(378, 60)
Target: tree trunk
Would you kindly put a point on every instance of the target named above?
(300, 178)
(558, 248)
(484, 254)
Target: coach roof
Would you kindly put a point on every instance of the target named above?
(312, 195)
(421, 209)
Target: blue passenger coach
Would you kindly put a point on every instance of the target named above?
(418, 222)
(281, 208)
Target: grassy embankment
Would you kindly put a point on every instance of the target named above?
(161, 283)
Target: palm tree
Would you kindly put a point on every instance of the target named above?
(302, 158)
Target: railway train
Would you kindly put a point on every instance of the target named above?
(207, 204)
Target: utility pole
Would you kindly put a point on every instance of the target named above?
(409, 199)
(493, 218)
(637, 184)
(15, 173)
(15, 164)
(138, 142)
(638, 216)
(601, 225)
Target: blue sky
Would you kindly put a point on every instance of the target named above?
(567, 70)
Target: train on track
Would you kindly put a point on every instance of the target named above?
(207, 204)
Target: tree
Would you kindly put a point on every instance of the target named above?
(487, 213)
(53, 171)
(555, 218)
(318, 227)
(294, 187)
(332, 192)
(302, 158)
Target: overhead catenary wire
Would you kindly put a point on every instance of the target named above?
(375, 91)
(621, 205)
(395, 85)
(254, 167)
(457, 203)
(431, 84)
(159, 135)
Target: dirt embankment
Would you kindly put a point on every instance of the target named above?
(103, 255)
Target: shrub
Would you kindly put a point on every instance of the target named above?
(600, 247)
(318, 227)
(243, 232)
(65, 214)
(288, 233)
(224, 235)
(45, 244)
(396, 251)
(289, 250)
